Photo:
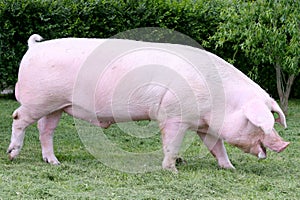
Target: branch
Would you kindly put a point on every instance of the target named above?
(289, 86)
(279, 81)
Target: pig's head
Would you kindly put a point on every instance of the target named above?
(255, 128)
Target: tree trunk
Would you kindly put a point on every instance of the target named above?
(283, 88)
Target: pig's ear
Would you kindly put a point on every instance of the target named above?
(259, 115)
(281, 117)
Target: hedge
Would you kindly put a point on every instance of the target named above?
(105, 18)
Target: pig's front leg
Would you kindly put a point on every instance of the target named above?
(172, 136)
(46, 126)
(217, 149)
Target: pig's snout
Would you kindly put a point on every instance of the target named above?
(281, 147)
(274, 142)
(276, 146)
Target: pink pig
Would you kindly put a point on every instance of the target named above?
(104, 81)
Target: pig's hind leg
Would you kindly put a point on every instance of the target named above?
(172, 136)
(46, 126)
(22, 118)
(217, 149)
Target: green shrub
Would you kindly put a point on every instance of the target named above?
(197, 19)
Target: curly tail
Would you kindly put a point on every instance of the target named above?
(33, 39)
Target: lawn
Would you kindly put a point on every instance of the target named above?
(81, 176)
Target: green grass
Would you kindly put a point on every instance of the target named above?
(81, 176)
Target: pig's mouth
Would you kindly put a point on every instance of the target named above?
(257, 149)
(262, 154)
(276, 147)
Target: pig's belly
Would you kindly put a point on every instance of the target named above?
(149, 102)
(105, 117)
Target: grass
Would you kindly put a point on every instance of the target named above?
(81, 176)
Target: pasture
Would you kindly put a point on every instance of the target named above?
(81, 176)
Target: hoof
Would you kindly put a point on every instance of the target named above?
(52, 161)
(13, 153)
(11, 158)
(171, 169)
(230, 167)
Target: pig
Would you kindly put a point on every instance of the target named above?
(106, 81)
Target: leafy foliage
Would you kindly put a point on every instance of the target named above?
(198, 19)
(268, 32)
(95, 19)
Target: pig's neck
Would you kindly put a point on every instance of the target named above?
(238, 88)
